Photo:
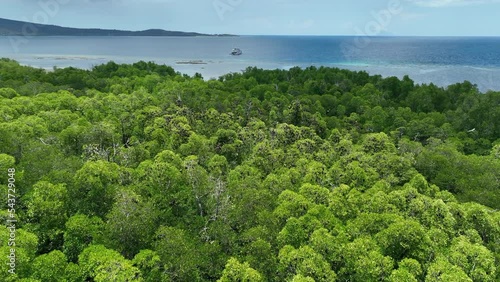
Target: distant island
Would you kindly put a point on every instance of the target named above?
(20, 28)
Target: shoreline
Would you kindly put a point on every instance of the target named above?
(441, 76)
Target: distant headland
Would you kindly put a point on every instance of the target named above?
(20, 28)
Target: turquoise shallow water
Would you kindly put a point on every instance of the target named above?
(440, 60)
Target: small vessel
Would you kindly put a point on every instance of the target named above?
(236, 52)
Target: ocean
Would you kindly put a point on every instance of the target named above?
(439, 60)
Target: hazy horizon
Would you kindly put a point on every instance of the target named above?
(285, 35)
(275, 17)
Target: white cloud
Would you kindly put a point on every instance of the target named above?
(411, 16)
(306, 24)
(446, 3)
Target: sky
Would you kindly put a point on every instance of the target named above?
(269, 17)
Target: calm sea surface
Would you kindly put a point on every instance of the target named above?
(440, 60)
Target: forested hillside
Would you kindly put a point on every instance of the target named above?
(28, 29)
(138, 173)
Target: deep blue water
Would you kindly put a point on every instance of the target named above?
(440, 60)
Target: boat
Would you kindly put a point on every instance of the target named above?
(236, 52)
